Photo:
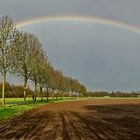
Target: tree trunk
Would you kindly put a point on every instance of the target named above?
(61, 95)
(35, 91)
(3, 88)
(79, 94)
(53, 94)
(41, 93)
(24, 92)
(56, 95)
(72, 94)
(47, 95)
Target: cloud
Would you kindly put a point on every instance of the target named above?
(101, 57)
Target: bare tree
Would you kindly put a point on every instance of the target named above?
(37, 64)
(42, 74)
(25, 57)
(8, 33)
(51, 78)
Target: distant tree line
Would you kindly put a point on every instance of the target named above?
(22, 54)
(113, 94)
(15, 91)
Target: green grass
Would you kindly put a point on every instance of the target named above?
(15, 100)
(8, 112)
(11, 101)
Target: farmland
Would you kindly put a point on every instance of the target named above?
(102, 119)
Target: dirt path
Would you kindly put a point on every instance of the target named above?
(91, 119)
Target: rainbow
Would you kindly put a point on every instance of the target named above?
(81, 19)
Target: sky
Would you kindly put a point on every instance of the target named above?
(100, 56)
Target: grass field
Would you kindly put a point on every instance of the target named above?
(8, 112)
(13, 101)
(10, 101)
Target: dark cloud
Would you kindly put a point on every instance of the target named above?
(101, 57)
(122, 10)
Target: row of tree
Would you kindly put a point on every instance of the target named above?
(15, 91)
(22, 54)
(113, 94)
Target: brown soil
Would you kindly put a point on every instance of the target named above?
(92, 119)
